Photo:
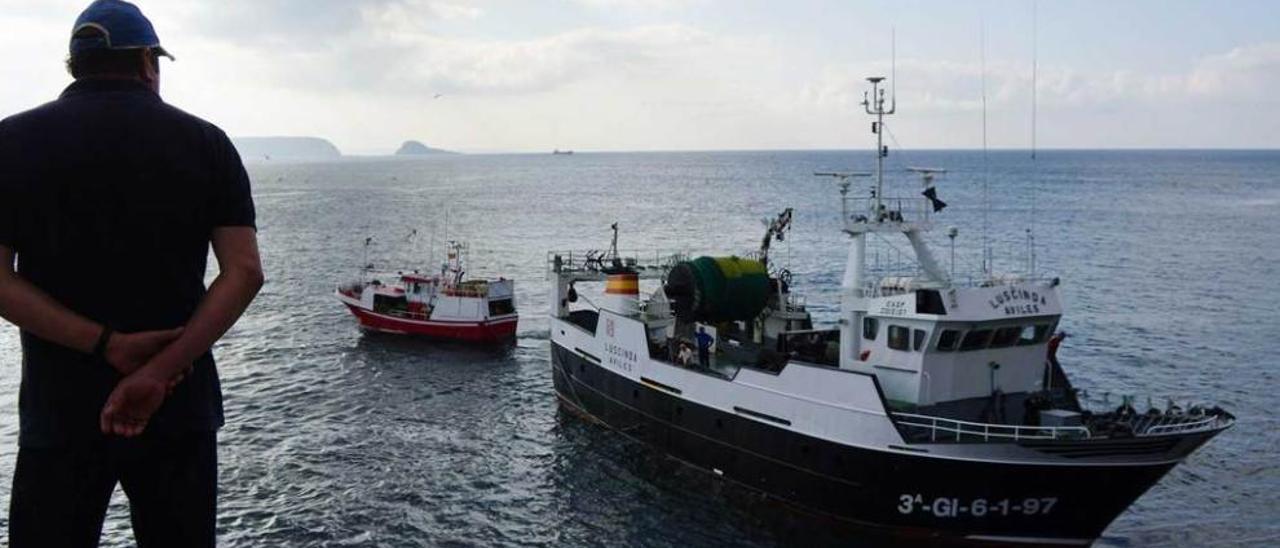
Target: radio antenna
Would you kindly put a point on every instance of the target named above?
(1035, 65)
(1035, 171)
(986, 191)
(893, 67)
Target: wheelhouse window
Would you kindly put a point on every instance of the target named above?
(1005, 337)
(1034, 334)
(899, 337)
(918, 337)
(976, 339)
(501, 307)
(948, 340)
(869, 328)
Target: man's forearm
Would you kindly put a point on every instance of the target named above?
(35, 312)
(228, 297)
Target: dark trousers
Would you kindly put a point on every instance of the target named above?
(60, 495)
(704, 357)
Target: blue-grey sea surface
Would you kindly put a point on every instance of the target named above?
(1168, 263)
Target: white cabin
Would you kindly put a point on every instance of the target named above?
(929, 346)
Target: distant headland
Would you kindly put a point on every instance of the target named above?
(416, 148)
(285, 148)
(259, 149)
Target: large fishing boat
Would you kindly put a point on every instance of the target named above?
(935, 406)
(440, 306)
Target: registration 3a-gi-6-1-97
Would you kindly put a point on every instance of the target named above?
(951, 507)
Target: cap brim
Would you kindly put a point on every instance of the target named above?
(164, 53)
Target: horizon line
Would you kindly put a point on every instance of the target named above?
(482, 152)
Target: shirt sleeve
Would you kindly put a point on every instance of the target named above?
(10, 199)
(233, 201)
(8, 216)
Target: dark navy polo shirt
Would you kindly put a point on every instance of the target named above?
(109, 196)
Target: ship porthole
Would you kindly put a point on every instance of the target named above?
(719, 423)
(635, 394)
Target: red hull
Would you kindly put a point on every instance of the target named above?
(488, 331)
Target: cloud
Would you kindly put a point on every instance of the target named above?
(626, 74)
(309, 25)
(1244, 73)
(1250, 72)
(637, 5)
(532, 66)
(400, 59)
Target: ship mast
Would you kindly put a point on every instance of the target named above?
(882, 214)
(853, 295)
(874, 105)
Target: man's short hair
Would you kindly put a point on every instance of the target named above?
(103, 62)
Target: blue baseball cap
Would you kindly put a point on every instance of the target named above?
(122, 24)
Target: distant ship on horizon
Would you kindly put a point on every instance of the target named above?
(559, 152)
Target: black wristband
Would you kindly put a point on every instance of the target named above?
(100, 347)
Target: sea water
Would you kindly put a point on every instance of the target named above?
(1168, 263)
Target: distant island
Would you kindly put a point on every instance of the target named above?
(415, 148)
(285, 148)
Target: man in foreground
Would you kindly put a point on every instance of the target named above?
(109, 201)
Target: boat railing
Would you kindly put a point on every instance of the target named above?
(944, 429)
(595, 262)
(893, 282)
(867, 210)
(465, 292)
(1173, 419)
(1180, 427)
(1163, 424)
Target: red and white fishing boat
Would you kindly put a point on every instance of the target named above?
(442, 306)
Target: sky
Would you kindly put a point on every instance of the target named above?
(529, 75)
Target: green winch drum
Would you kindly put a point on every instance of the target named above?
(718, 289)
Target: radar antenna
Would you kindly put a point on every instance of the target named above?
(843, 178)
(842, 175)
(927, 174)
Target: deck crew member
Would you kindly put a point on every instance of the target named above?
(685, 357)
(704, 346)
(109, 201)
